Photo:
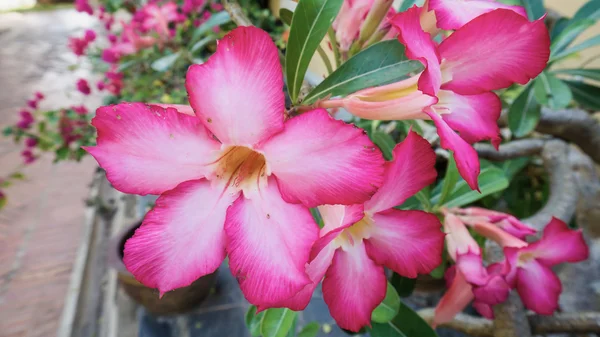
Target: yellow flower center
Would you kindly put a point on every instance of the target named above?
(356, 233)
(241, 167)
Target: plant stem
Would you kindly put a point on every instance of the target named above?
(325, 59)
(334, 46)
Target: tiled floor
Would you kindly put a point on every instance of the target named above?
(41, 226)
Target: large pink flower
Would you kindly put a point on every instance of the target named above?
(157, 18)
(236, 178)
(455, 89)
(358, 241)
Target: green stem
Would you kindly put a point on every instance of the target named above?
(334, 46)
(325, 59)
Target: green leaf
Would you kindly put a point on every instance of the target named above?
(292, 332)
(317, 216)
(254, 321)
(439, 271)
(310, 330)
(491, 180)
(388, 308)
(3, 201)
(406, 4)
(277, 322)
(382, 63)
(127, 64)
(585, 94)
(450, 179)
(165, 63)
(513, 166)
(61, 154)
(407, 323)
(310, 23)
(551, 92)
(17, 176)
(524, 113)
(591, 42)
(216, 19)
(385, 143)
(403, 285)
(7, 131)
(566, 37)
(202, 43)
(535, 8)
(558, 27)
(592, 74)
(286, 16)
(591, 10)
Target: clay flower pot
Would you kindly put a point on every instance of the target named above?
(174, 302)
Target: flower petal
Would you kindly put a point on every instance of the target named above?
(184, 109)
(453, 14)
(268, 244)
(419, 46)
(559, 244)
(458, 238)
(339, 216)
(146, 149)
(484, 309)
(538, 287)
(454, 300)
(473, 116)
(470, 265)
(408, 242)
(465, 155)
(179, 241)
(495, 291)
(411, 169)
(472, 58)
(238, 92)
(354, 286)
(319, 160)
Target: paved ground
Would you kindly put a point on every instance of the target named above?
(40, 228)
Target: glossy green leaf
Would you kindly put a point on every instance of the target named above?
(568, 35)
(277, 322)
(591, 10)
(491, 180)
(388, 308)
(535, 8)
(311, 20)
(407, 323)
(558, 27)
(591, 42)
(513, 166)
(524, 113)
(403, 285)
(310, 330)
(450, 180)
(406, 4)
(202, 43)
(439, 271)
(285, 15)
(551, 92)
(382, 63)
(385, 142)
(592, 74)
(216, 19)
(585, 94)
(165, 63)
(254, 321)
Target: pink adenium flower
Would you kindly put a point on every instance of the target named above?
(358, 241)
(90, 35)
(115, 83)
(31, 142)
(28, 156)
(39, 96)
(157, 18)
(190, 6)
(100, 85)
(235, 177)
(83, 87)
(32, 103)
(26, 120)
(84, 6)
(77, 45)
(455, 89)
(507, 222)
(80, 109)
(530, 266)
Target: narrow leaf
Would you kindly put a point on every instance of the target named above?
(450, 179)
(385, 143)
(524, 113)
(382, 63)
(165, 63)
(592, 74)
(407, 323)
(403, 285)
(535, 8)
(591, 10)
(491, 180)
(216, 19)
(558, 27)
(568, 35)
(551, 92)
(254, 321)
(202, 43)
(585, 94)
(311, 20)
(285, 15)
(277, 322)
(591, 42)
(310, 330)
(388, 308)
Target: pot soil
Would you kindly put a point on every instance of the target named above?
(174, 302)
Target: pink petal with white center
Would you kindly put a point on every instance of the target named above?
(408, 242)
(419, 46)
(319, 160)
(484, 309)
(458, 296)
(339, 216)
(238, 92)
(411, 169)
(179, 241)
(268, 242)
(473, 116)
(453, 14)
(465, 155)
(559, 244)
(538, 287)
(471, 57)
(354, 286)
(146, 149)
